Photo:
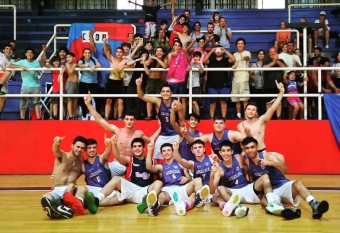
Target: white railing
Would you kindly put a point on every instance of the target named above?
(14, 19)
(190, 95)
(308, 4)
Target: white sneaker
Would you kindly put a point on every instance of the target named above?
(327, 46)
(179, 204)
(233, 202)
(241, 211)
(273, 208)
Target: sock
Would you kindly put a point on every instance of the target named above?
(81, 199)
(310, 198)
(187, 206)
(270, 197)
(101, 197)
(238, 115)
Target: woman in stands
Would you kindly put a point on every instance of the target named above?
(88, 79)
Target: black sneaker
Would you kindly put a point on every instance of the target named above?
(291, 213)
(56, 212)
(319, 208)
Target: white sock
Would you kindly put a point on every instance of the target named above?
(101, 197)
(81, 199)
(270, 197)
(238, 115)
(310, 198)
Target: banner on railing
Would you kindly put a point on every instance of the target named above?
(332, 103)
(79, 36)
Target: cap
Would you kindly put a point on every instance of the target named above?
(322, 13)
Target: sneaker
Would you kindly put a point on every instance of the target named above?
(273, 208)
(141, 207)
(290, 213)
(91, 202)
(241, 211)
(202, 195)
(152, 202)
(56, 212)
(3, 93)
(319, 208)
(233, 202)
(74, 203)
(179, 204)
(326, 46)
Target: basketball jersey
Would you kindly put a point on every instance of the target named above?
(185, 147)
(202, 169)
(171, 173)
(234, 177)
(277, 179)
(216, 143)
(96, 174)
(164, 117)
(137, 173)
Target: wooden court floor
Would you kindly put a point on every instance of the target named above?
(20, 211)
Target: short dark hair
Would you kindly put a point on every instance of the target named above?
(218, 117)
(252, 104)
(163, 21)
(130, 113)
(55, 58)
(240, 39)
(80, 139)
(167, 145)
(125, 44)
(137, 35)
(119, 48)
(197, 141)
(186, 25)
(71, 54)
(196, 116)
(7, 45)
(248, 140)
(91, 141)
(63, 49)
(167, 85)
(12, 41)
(226, 143)
(318, 48)
(30, 49)
(137, 140)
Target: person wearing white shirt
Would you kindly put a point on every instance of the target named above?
(322, 32)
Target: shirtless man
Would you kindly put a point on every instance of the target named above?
(184, 37)
(114, 84)
(154, 82)
(257, 126)
(125, 135)
(66, 171)
(72, 86)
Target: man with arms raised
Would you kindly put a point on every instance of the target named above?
(257, 125)
(273, 164)
(167, 134)
(66, 171)
(125, 135)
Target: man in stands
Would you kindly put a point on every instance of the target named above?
(5, 61)
(322, 32)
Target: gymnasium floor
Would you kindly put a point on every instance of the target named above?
(21, 212)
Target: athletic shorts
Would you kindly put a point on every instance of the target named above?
(286, 193)
(248, 194)
(160, 141)
(58, 192)
(180, 189)
(116, 168)
(130, 192)
(96, 190)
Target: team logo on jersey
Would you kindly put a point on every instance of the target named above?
(237, 168)
(135, 165)
(175, 167)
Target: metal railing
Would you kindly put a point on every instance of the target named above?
(190, 96)
(14, 19)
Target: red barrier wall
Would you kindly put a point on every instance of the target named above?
(25, 146)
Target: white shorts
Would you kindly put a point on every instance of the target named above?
(180, 189)
(160, 141)
(58, 192)
(116, 168)
(96, 190)
(286, 193)
(130, 192)
(248, 194)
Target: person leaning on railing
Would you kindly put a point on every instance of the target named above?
(30, 80)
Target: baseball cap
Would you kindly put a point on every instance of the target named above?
(322, 13)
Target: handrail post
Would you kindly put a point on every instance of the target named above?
(190, 92)
(319, 97)
(61, 96)
(14, 19)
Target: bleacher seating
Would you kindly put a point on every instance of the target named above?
(36, 30)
